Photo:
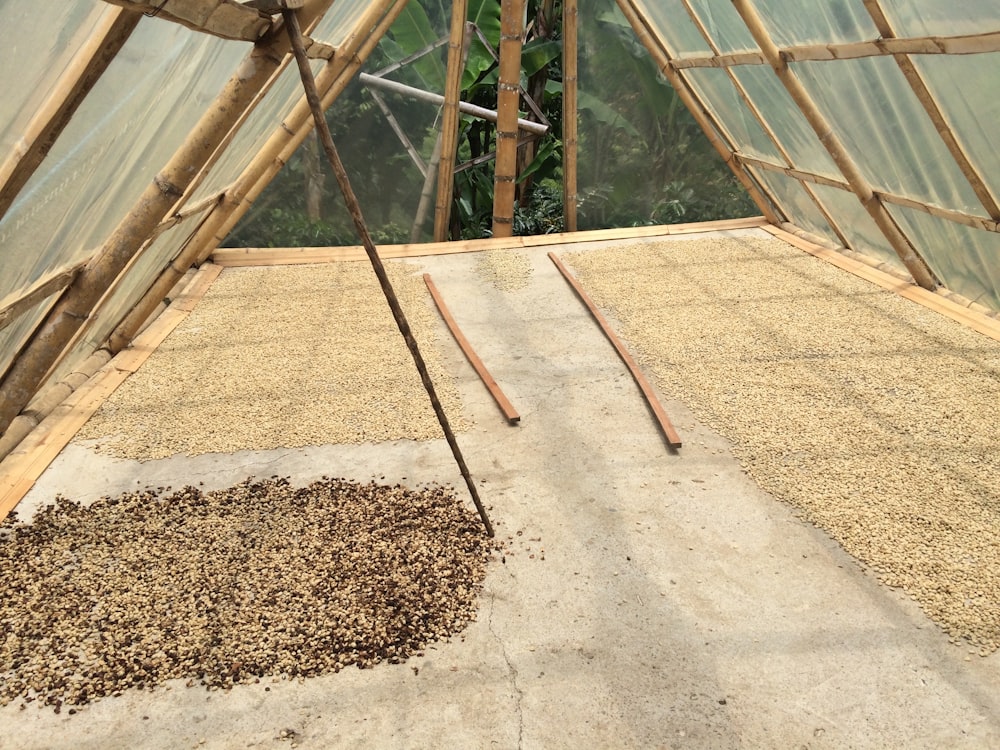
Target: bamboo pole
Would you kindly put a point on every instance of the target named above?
(538, 128)
(404, 139)
(294, 129)
(571, 18)
(79, 299)
(291, 25)
(81, 75)
(859, 185)
(508, 97)
(427, 191)
(930, 106)
(970, 44)
(764, 125)
(458, 46)
(697, 109)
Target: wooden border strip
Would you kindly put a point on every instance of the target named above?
(264, 256)
(673, 439)
(20, 470)
(491, 384)
(936, 301)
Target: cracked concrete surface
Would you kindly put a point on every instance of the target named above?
(645, 599)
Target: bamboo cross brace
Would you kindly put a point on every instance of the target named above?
(351, 201)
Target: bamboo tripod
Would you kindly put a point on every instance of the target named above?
(351, 201)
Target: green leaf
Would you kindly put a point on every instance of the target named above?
(543, 159)
(603, 112)
(538, 53)
(410, 33)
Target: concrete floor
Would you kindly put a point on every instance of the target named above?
(649, 599)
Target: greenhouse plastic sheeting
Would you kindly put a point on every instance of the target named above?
(942, 17)
(124, 132)
(673, 24)
(885, 128)
(830, 22)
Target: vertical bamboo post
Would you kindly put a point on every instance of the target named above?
(508, 97)
(571, 17)
(289, 135)
(82, 73)
(697, 109)
(458, 45)
(841, 157)
(79, 299)
(351, 201)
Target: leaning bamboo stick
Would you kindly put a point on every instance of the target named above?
(930, 106)
(351, 202)
(662, 420)
(333, 78)
(508, 97)
(852, 173)
(79, 299)
(458, 46)
(81, 74)
(571, 18)
(710, 127)
(509, 412)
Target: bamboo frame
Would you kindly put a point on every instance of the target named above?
(506, 407)
(459, 37)
(333, 78)
(701, 114)
(64, 320)
(925, 98)
(508, 97)
(659, 414)
(83, 72)
(227, 19)
(888, 45)
(22, 467)
(571, 18)
(958, 217)
(841, 157)
(762, 121)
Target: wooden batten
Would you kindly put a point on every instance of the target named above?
(64, 320)
(841, 157)
(333, 78)
(268, 256)
(508, 98)
(459, 37)
(571, 19)
(698, 110)
(79, 78)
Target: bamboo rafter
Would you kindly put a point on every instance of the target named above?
(762, 121)
(908, 255)
(81, 75)
(930, 106)
(571, 19)
(459, 37)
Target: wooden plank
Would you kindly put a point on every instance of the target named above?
(227, 19)
(254, 256)
(673, 439)
(20, 469)
(15, 305)
(509, 412)
(936, 301)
